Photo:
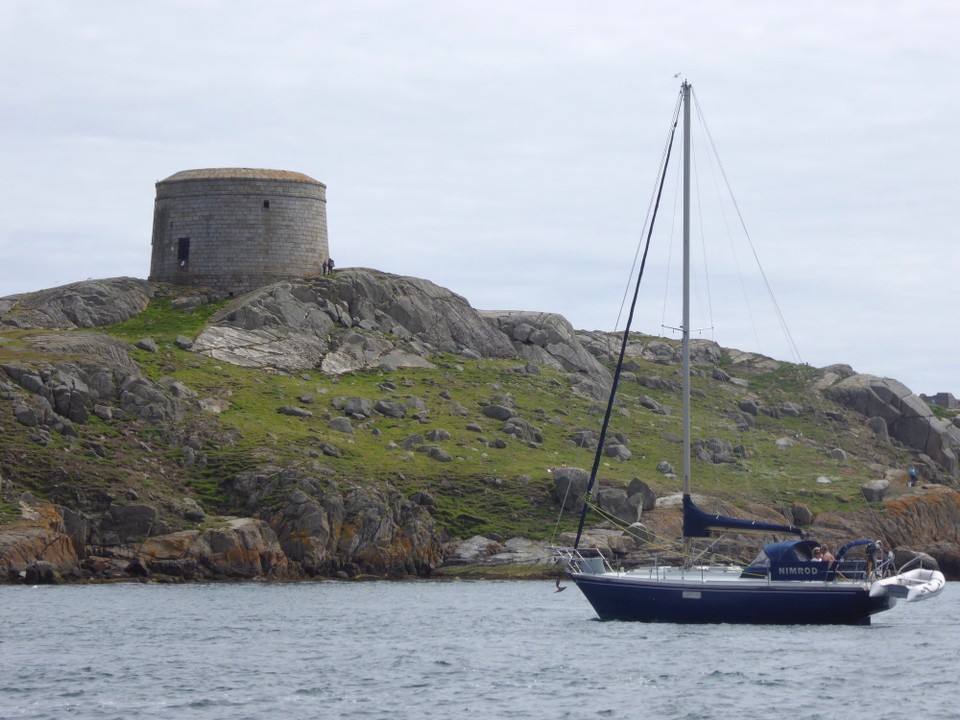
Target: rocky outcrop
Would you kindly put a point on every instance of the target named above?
(926, 520)
(652, 349)
(88, 304)
(488, 553)
(907, 418)
(548, 339)
(244, 549)
(356, 319)
(310, 527)
(363, 318)
(40, 537)
(399, 305)
(285, 325)
(75, 376)
(41, 549)
(327, 528)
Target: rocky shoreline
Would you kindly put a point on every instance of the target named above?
(42, 548)
(118, 451)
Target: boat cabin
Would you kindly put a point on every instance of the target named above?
(794, 560)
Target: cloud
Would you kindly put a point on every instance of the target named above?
(506, 150)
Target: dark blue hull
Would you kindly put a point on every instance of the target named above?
(806, 603)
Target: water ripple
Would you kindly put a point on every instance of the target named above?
(445, 650)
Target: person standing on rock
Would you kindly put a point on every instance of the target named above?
(324, 267)
(330, 265)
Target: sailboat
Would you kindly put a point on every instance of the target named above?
(787, 583)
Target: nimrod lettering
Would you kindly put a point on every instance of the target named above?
(799, 570)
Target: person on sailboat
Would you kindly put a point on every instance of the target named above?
(817, 555)
(825, 554)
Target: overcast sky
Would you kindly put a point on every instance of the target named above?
(506, 150)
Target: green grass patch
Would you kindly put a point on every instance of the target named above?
(164, 323)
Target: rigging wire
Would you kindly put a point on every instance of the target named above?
(703, 244)
(626, 331)
(670, 246)
(645, 233)
(753, 250)
(651, 209)
(792, 347)
(729, 235)
(563, 504)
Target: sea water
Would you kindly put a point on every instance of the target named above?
(448, 649)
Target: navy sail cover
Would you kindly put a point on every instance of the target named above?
(697, 523)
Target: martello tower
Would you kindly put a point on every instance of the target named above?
(237, 229)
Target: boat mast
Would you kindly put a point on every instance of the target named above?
(685, 327)
(626, 335)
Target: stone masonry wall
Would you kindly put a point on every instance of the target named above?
(243, 228)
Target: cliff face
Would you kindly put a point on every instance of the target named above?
(925, 520)
(136, 452)
(892, 409)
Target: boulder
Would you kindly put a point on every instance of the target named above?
(412, 441)
(616, 502)
(648, 498)
(342, 425)
(523, 430)
(473, 550)
(714, 451)
(618, 452)
(124, 524)
(41, 573)
(879, 427)
(294, 411)
(25, 415)
(176, 388)
(192, 510)
(390, 408)
(353, 406)
(585, 439)
(801, 515)
(875, 490)
(436, 453)
(651, 404)
(570, 487)
(498, 412)
(145, 400)
(790, 409)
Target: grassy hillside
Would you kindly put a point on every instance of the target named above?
(484, 489)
